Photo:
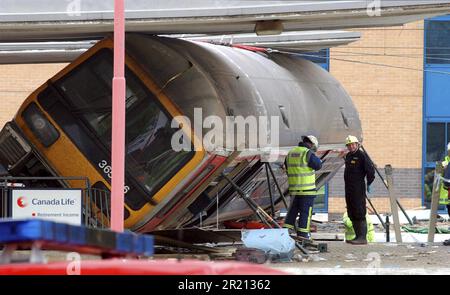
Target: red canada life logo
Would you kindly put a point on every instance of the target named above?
(22, 202)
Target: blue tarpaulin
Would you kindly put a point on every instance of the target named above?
(275, 242)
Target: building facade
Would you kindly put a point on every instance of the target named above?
(383, 73)
(405, 111)
(399, 80)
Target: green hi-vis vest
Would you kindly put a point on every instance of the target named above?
(350, 232)
(301, 178)
(443, 195)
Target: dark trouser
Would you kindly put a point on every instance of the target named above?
(356, 209)
(355, 199)
(302, 205)
(448, 209)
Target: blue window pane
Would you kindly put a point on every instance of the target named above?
(438, 42)
(437, 92)
(435, 141)
(321, 200)
(318, 57)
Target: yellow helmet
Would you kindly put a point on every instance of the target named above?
(351, 139)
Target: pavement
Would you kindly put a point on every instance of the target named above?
(343, 259)
(376, 258)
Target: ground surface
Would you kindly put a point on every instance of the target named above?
(341, 258)
(392, 257)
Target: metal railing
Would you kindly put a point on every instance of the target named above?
(96, 205)
(97, 209)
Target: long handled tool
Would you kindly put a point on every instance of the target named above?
(280, 192)
(385, 184)
(376, 213)
(265, 218)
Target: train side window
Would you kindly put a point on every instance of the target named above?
(344, 117)
(283, 116)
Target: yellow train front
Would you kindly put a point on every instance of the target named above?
(64, 127)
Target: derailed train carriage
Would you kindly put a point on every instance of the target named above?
(64, 127)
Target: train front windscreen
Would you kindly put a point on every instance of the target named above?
(80, 103)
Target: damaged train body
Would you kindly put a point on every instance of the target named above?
(64, 127)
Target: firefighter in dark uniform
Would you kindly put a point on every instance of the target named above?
(357, 167)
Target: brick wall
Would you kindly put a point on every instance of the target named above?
(17, 82)
(389, 100)
(382, 205)
(407, 183)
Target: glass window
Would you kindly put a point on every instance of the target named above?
(428, 185)
(435, 141)
(318, 57)
(320, 200)
(438, 42)
(89, 95)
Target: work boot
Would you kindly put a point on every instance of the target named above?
(360, 228)
(291, 230)
(303, 235)
(447, 242)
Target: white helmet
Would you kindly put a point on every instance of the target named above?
(351, 139)
(313, 140)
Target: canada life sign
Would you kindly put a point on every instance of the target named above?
(55, 205)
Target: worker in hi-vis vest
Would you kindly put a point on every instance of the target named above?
(444, 191)
(350, 231)
(301, 164)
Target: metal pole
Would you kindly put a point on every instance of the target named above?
(255, 208)
(87, 202)
(8, 200)
(435, 201)
(394, 208)
(118, 119)
(278, 187)
(388, 237)
(386, 185)
(376, 212)
(3, 201)
(272, 205)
